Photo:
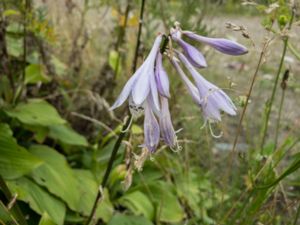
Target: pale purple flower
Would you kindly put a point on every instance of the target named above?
(165, 122)
(212, 99)
(154, 129)
(161, 77)
(193, 54)
(221, 44)
(192, 89)
(142, 83)
(151, 128)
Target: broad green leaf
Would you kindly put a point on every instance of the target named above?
(36, 112)
(138, 203)
(15, 160)
(120, 219)
(11, 12)
(5, 216)
(67, 135)
(88, 189)
(56, 175)
(167, 205)
(46, 220)
(189, 184)
(34, 73)
(14, 46)
(39, 199)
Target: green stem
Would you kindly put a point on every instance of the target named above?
(134, 64)
(279, 117)
(125, 126)
(16, 209)
(109, 168)
(270, 104)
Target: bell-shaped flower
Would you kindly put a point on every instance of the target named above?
(192, 89)
(161, 77)
(212, 99)
(168, 133)
(193, 54)
(142, 83)
(151, 128)
(221, 44)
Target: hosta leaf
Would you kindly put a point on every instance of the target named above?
(88, 189)
(14, 46)
(67, 135)
(138, 203)
(56, 175)
(120, 219)
(34, 73)
(15, 160)
(46, 220)
(36, 112)
(168, 207)
(39, 199)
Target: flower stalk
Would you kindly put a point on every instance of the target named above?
(270, 103)
(125, 127)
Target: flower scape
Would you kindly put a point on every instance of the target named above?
(148, 88)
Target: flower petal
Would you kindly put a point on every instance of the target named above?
(221, 44)
(213, 99)
(190, 86)
(165, 122)
(125, 92)
(151, 129)
(142, 85)
(161, 77)
(154, 93)
(193, 54)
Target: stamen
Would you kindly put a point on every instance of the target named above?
(177, 131)
(128, 127)
(212, 133)
(178, 148)
(204, 124)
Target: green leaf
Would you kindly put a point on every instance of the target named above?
(88, 189)
(138, 203)
(14, 46)
(168, 207)
(5, 216)
(36, 112)
(67, 135)
(46, 220)
(34, 73)
(114, 61)
(120, 219)
(15, 160)
(56, 175)
(11, 12)
(39, 199)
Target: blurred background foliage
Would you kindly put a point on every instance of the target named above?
(62, 64)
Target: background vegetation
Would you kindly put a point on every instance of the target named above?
(62, 64)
